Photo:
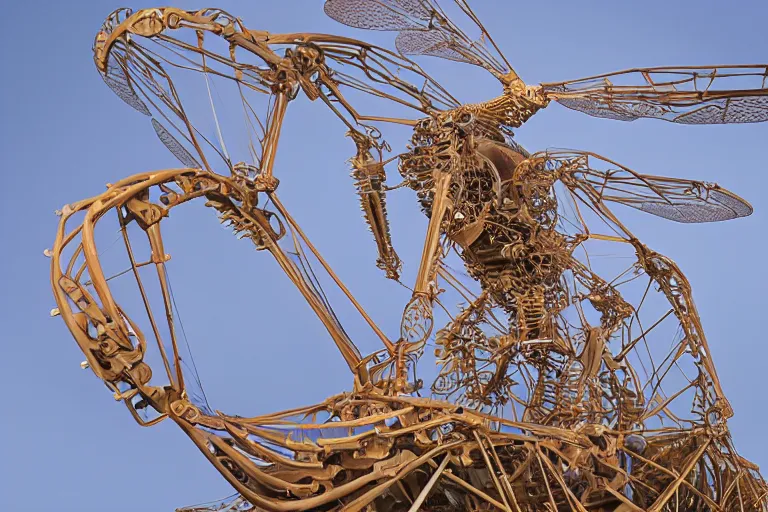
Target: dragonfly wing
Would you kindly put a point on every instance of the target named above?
(379, 14)
(153, 69)
(435, 44)
(425, 29)
(685, 95)
(176, 148)
(602, 180)
(117, 79)
(708, 203)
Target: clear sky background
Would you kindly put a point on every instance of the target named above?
(68, 445)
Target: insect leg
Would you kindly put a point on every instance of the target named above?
(370, 176)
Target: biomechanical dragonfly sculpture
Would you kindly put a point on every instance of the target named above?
(563, 384)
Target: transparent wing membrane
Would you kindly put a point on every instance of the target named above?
(686, 95)
(160, 70)
(425, 29)
(380, 14)
(672, 198)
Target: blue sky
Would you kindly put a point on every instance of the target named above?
(64, 135)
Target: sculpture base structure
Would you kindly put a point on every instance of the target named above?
(365, 451)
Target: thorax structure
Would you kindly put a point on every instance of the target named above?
(503, 210)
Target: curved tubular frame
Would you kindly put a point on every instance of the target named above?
(365, 448)
(116, 350)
